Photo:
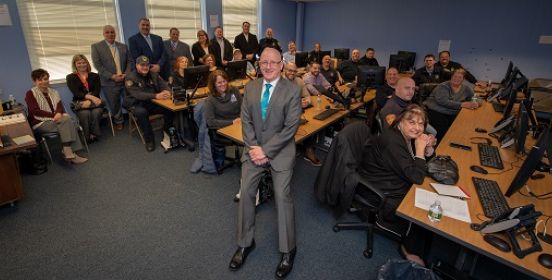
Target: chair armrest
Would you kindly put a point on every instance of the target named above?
(381, 195)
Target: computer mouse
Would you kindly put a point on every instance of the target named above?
(537, 176)
(546, 260)
(499, 243)
(479, 169)
(328, 106)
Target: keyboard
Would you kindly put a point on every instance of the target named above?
(325, 114)
(489, 156)
(12, 119)
(492, 200)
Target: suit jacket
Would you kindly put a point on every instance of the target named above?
(228, 51)
(198, 52)
(182, 49)
(105, 64)
(139, 46)
(276, 134)
(251, 46)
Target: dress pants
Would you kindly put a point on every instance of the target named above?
(113, 95)
(251, 175)
(143, 109)
(89, 119)
(66, 129)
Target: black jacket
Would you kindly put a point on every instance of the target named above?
(251, 46)
(446, 73)
(228, 51)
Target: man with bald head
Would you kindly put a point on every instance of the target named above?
(404, 92)
(349, 68)
(270, 114)
(113, 61)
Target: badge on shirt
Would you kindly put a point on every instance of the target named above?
(233, 98)
(129, 83)
(390, 119)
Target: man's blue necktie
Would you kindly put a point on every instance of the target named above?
(264, 100)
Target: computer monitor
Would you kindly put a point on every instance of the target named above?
(323, 54)
(371, 76)
(196, 76)
(508, 74)
(409, 59)
(178, 94)
(521, 126)
(533, 161)
(335, 95)
(342, 53)
(518, 85)
(397, 61)
(301, 59)
(236, 69)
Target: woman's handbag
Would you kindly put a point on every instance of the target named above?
(443, 169)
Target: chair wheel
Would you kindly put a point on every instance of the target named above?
(336, 229)
(367, 253)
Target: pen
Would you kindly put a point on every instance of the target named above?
(464, 191)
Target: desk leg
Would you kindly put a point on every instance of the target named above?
(11, 186)
(182, 131)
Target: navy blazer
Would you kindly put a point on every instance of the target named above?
(138, 46)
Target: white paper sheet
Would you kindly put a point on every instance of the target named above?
(444, 45)
(5, 19)
(449, 190)
(452, 207)
(213, 21)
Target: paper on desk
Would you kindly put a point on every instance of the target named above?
(23, 139)
(452, 207)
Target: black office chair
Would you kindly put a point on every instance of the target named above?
(345, 187)
(218, 140)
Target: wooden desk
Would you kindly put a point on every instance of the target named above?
(11, 187)
(312, 127)
(460, 232)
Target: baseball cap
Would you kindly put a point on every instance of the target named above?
(142, 60)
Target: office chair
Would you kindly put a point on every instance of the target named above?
(340, 184)
(218, 140)
(133, 124)
(52, 135)
(107, 114)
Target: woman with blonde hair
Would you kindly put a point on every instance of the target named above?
(87, 104)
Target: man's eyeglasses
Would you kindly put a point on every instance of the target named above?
(269, 63)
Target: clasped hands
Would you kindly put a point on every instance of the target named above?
(258, 156)
(425, 144)
(163, 95)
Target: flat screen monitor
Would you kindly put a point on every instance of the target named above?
(301, 59)
(371, 76)
(341, 53)
(409, 59)
(236, 69)
(196, 76)
(508, 74)
(532, 162)
(398, 62)
(521, 127)
(323, 54)
(518, 85)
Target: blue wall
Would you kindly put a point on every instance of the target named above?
(484, 35)
(16, 67)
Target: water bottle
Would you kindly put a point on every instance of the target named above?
(318, 103)
(12, 100)
(435, 212)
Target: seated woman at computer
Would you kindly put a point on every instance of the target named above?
(87, 104)
(393, 162)
(209, 59)
(176, 79)
(222, 108)
(446, 100)
(47, 115)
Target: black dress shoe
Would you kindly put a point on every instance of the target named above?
(240, 255)
(150, 146)
(286, 264)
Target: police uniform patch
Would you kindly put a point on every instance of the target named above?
(233, 98)
(129, 83)
(390, 119)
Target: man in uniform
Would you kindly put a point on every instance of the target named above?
(143, 86)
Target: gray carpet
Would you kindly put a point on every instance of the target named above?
(129, 214)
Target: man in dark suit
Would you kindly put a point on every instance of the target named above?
(150, 45)
(247, 43)
(270, 114)
(222, 49)
(429, 73)
(113, 61)
(175, 48)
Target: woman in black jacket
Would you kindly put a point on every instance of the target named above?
(87, 104)
(393, 162)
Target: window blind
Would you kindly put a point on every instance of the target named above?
(234, 13)
(182, 14)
